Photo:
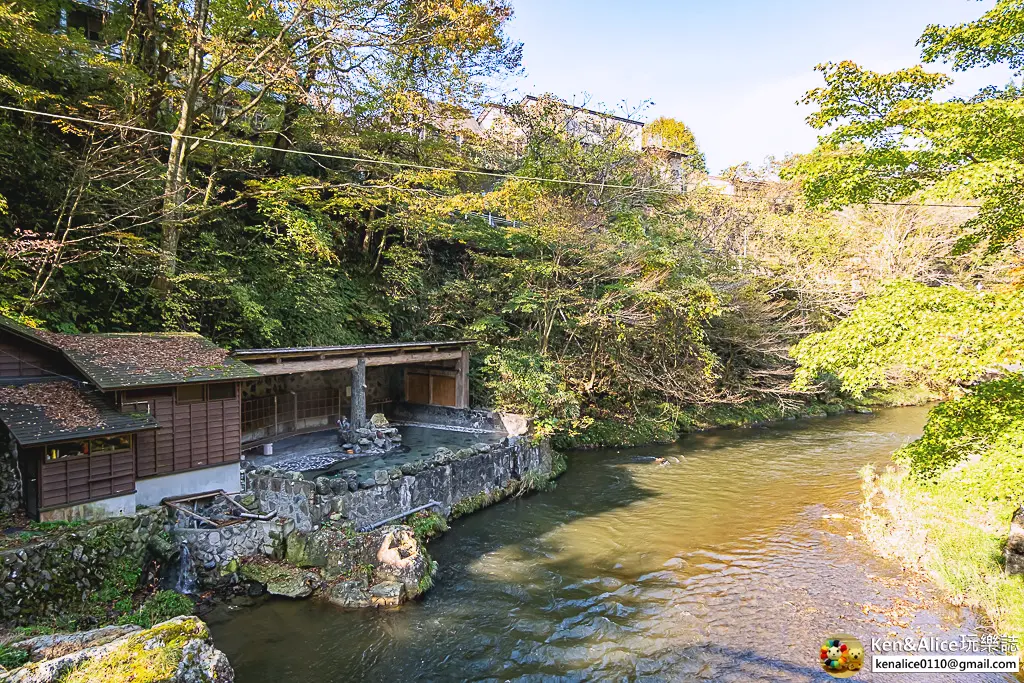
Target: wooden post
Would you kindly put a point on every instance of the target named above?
(462, 381)
(276, 432)
(359, 394)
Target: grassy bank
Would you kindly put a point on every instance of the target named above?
(945, 507)
(670, 425)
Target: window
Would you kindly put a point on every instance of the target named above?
(67, 450)
(191, 393)
(221, 392)
(89, 23)
(110, 444)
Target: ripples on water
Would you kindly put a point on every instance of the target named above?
(716, 567)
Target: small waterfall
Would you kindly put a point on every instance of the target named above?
(186, 581)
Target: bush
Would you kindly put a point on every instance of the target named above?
(12, 658)
(160, 607)
(427, 525)
(911, 334)
(974, 425)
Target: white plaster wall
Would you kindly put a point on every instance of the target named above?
(118, 506)
(154, 489)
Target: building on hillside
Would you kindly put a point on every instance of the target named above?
(589, 125)
(97, 424)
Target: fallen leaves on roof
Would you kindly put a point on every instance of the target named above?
(142, 353)
(61, 402)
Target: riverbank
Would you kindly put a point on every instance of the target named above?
(945, 508)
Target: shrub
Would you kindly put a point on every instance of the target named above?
(979, 424)
(160, 607)
(913, 334)
(12, 658)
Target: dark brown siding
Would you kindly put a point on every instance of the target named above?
(86, 478)
(21, 358)
(191, 435)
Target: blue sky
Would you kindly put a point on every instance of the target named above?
(732, 70)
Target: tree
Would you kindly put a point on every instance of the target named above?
(676, 136)
(890, 139)
(235, 63)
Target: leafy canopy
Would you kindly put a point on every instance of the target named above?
(911, 334)
(891, 139)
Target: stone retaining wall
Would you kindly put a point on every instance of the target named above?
(213, 550)
(67, 569)
(447, 478)
(10, 477)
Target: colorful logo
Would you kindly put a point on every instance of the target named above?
(841, 656)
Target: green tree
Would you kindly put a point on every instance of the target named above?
(891, 139)
(676, 136)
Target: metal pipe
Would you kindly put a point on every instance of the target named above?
(373, 526)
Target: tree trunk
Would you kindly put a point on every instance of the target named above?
(176, 180)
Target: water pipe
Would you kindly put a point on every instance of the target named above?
(373, 526)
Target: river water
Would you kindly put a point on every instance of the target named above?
(718, 565)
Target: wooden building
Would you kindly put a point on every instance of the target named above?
(100, 423)
(309, 388)
(97, 424)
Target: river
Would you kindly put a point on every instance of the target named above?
(718, 565)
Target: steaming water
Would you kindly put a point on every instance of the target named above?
(717, 567)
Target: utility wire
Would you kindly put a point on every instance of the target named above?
(327, 155)
(403, 164)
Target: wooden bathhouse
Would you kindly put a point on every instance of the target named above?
(97, 424)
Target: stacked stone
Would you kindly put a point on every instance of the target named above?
(377, 437)
(10, 481)
(60, 573)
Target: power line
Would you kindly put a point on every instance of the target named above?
(326, 155)
(405, 164)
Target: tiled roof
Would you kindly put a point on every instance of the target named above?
(127, 360)
(61, 411)
(123, 361)
(38, 336)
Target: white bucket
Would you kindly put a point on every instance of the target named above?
(268, 449)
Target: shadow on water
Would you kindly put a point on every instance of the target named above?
(716, 566)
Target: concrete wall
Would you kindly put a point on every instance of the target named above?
(118, 506)
(154, 489)
(448, 478)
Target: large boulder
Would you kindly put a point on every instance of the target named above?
(351, 593)
(1014, 552)
(281, 579)
(176, 651)
(60, 644)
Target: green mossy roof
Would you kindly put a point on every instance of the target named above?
(124, 361)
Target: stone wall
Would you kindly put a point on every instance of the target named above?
(447, 478)
(67, 569)
(10, 477)
(215, 551)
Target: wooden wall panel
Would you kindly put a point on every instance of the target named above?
(86, 478)
(21, 358)
(191, 435)
(417, 388)
(442, 390)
